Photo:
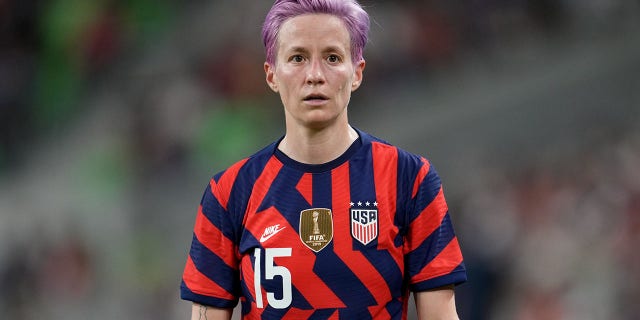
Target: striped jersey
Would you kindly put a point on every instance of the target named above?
(348, 239)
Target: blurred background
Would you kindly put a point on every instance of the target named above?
(115, 114)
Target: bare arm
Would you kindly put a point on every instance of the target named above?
(200, 312)
(437, 304)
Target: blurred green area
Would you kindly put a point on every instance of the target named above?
(75, 39)
(233, 132)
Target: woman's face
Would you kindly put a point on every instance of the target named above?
(313, 72)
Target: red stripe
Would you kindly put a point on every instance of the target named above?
(200, 284)
(428, 221)
(222, 189)
(424, 170)
(385, 173)
(305, 187)
(449, 258)
(354, 228)
(367, 235)
(213, 239)
(262, 185)
(372, 231)
(355, 260)
(334, 316)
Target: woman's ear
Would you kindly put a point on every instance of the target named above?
(357, 75)
(269, 71)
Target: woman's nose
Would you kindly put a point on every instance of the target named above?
(315, 74)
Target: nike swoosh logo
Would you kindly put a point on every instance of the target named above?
(264, 238)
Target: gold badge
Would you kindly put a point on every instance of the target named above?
(316, 228)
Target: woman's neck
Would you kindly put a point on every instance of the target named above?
(317, 146)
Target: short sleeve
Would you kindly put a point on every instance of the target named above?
(433, 255)
(211, 275)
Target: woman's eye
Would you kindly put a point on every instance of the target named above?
(333, 58)
(297, 58)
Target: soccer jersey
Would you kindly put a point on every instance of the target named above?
(346, 239)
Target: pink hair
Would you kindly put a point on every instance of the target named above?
(355, 19)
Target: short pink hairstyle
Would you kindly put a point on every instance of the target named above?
(355, 19)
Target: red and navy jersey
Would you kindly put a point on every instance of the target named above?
(346, 239)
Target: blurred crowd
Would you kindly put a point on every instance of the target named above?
(108, 109)
(556, 239)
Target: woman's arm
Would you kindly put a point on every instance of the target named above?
(437, 304)
(201, 312)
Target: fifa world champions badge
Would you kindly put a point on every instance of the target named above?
(316, 228)
(364, 221)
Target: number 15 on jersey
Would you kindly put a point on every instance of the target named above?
(270, 272)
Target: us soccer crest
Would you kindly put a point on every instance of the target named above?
(364, 221)
(316, 228)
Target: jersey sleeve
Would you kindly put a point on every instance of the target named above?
(433, 255)
(211, 275)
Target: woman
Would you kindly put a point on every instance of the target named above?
(328, 222)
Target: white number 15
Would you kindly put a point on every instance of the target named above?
(272, 270)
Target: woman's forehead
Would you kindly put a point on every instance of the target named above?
(313, 30)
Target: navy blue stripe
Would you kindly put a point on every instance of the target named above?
(214, 212)
(270, 312)
(395, 308)
(362, 188)
(322, 314)
(299, 301)
(430, 247)
(348, 314)
(428, 190)
(284, 196)
(213, 267)
(245, 292)
(387, 267)
(284, 184)
(335, 273)
(322, 190)
(246, 306)
(408, 168)
(248, 243)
